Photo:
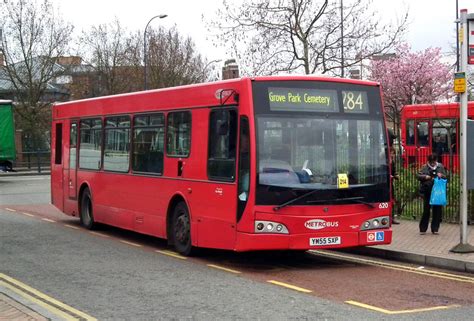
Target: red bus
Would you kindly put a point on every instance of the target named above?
(266, 163)
(432, 128)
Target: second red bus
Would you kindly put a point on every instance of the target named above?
(432, 128)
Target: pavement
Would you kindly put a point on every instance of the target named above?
(426, 250)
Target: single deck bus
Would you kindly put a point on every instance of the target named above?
(265, 163)
(432, 128)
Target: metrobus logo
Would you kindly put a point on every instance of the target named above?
(319, 224)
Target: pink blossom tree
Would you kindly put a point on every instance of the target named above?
(411, 78)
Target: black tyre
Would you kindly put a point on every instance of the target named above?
(181, 229)
(87, 217)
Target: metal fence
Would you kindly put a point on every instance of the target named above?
(409, 203)
(37, 161)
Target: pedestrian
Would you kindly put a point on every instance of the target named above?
(426, 177)
(394, 176)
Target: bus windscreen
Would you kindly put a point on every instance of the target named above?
(314, 136)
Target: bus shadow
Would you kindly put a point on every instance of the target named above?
(253, 261)
(265, 261)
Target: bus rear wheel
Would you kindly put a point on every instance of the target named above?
(181, 229)
(87, 217)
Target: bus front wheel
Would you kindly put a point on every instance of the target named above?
(182, 229)
(87, 218)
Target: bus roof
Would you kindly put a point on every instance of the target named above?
(205, 93)
(453, 104)
(315, 78)
(442, 110)
(236, 80)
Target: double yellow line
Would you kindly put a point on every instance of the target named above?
(52, 305)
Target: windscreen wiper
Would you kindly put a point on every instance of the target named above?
(276, 208)
(355, 199)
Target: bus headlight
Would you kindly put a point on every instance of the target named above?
(270, 227)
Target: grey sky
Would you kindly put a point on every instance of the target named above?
(431, 21)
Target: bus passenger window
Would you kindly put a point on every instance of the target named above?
(148, 143)
(244, 166)
(441, 131)
(222, 144)
(410, 132)
(90, 143)
(117, 144)
(72, 145)
(244, 160)
(178, 134)
(423, 133)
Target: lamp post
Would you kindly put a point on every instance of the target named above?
(463, 246)
(342, 40)
(457, 36)
(161, 16)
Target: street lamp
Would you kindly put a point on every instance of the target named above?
(342, 40)
(161, 16)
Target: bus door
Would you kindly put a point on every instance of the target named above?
(217, 221)
(422, 141)
(72, 172)
(57, 166)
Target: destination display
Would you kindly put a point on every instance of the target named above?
(300, 99)
(317, 100)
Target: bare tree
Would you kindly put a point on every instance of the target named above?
(173, 59)
(272, 36)
(116, 57)
(33, 34)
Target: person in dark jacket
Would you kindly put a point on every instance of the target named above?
(426, 177)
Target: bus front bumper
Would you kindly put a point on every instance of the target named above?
(311, 241)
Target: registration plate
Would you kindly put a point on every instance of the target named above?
(319, 241)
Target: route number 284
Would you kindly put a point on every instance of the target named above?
(352, 100)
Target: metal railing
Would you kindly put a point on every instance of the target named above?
(409, 202)
(36, 161)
